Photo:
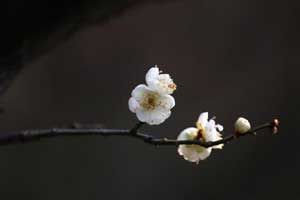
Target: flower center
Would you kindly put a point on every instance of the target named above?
(200, 135)
(150, 101)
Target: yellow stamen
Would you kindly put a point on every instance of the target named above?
(150, 101)
(172, 86)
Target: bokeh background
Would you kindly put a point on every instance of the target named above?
(231, 58)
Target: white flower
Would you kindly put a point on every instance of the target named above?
(149, 105)
(242, 125)
(153, 103)
(192, 153)
(162, 83)
(206, 131)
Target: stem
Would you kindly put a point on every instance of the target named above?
(34, 135)
(136, 128)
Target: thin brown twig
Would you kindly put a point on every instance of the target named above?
(26, 136)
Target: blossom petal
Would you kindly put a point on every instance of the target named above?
(194, 153)
(167, 102)
(205, 152)
(211, 134)
(139, 91)
(188, 154)
(202, 120)
(133, 105)
(152, 75)
(219, 127)
(188, 134)
(153, 117)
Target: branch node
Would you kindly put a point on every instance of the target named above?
(148, 139)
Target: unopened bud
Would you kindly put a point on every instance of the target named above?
(275, 130)
(242, 125)
(276, 122)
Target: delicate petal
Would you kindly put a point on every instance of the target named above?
(194, 153)
(187, 154)
(139, 92)
(152, 74)
(211, 123)
(219, 127)
(188, 134)
(159, 116)
(211, 134)
(167, 102)
(142, 116)
(204, 152)
(202, 120)
(154, 117)
(133, 105)
(210, 131)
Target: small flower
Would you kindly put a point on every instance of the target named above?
(192, 153)
(242, 125)
(149, 105)
(152, 103)
(206, 131)
(162, 83)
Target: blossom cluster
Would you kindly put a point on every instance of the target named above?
(152, 102)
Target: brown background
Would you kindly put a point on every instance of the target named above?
(231, 58)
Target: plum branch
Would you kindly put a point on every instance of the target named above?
(26, 136)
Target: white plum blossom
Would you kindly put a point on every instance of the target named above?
(152, 103)
(192, 153)
(149, 105)
(242, 125)
(206, 131)
(161, 83)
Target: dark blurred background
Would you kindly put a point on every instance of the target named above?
(231, 58)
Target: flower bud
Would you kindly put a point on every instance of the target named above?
(275, 122)
(275, 130)
(242, 125)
